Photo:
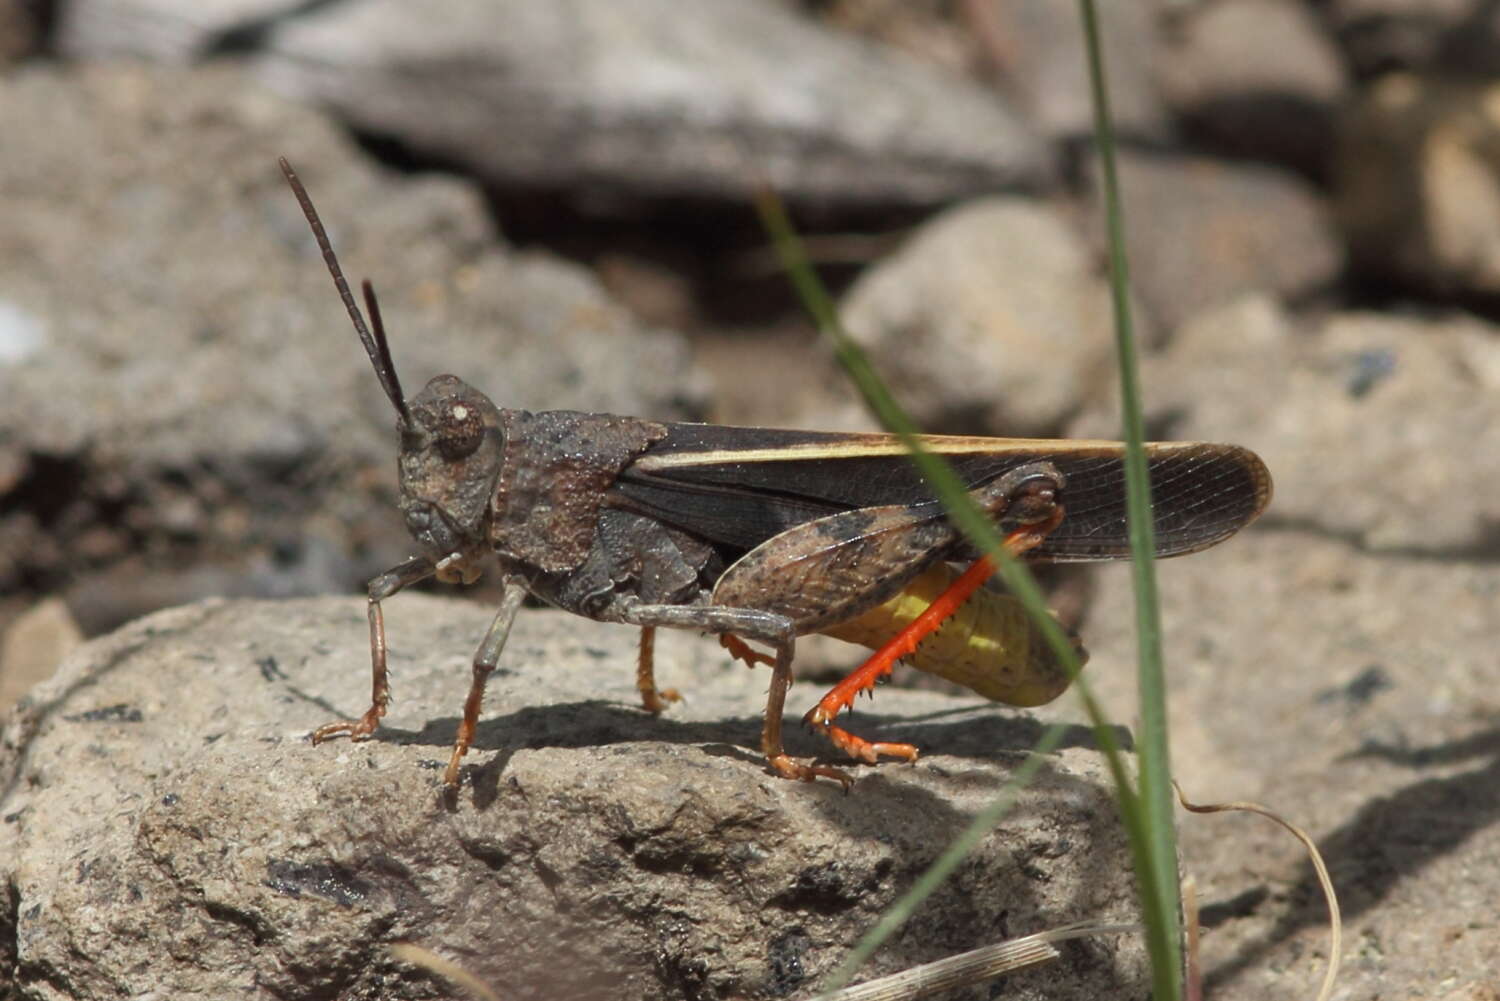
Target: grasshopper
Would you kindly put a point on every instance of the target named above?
(761, 535)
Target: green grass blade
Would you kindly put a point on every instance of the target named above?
(1155, 845)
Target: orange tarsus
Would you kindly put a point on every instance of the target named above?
(742, 651)
(864, 750)
(786, 767)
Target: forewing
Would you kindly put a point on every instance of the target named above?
(742, 486)
(834, 568)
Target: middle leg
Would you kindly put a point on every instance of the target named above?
(764, 627)
(654, 700)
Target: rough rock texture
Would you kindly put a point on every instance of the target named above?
(168, 829)
(1337, 662)
(182, 398)
(631, 96)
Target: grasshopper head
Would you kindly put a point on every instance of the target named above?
(451, 444)
(451, 437)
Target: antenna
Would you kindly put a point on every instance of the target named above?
(375, 344)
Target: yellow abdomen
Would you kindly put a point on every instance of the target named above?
(990, 644)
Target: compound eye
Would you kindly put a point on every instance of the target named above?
(459, 432)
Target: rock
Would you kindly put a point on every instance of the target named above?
(182, 383)
(1038, 50)
(167, 827)
(1256, 78)
(991, 319)
(631, 98)
(34, 644)
(1201, 232)
(163, 30)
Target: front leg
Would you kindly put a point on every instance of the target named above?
(485, 660)
(767, 627)
(414, 569)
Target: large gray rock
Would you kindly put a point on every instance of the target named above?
(636, 96)
(167, 828)
(993, 318)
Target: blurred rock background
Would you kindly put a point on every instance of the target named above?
(553, 201)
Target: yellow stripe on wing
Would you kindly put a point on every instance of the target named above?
(860, 446)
